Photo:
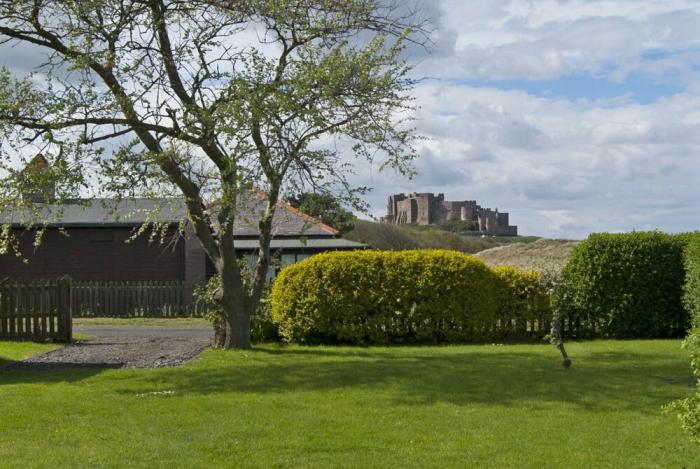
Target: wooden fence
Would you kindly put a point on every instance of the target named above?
(130, 299)
(36, 309)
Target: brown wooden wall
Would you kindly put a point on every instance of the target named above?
(96, 254)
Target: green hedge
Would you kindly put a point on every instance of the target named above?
(385, 297)
(688, 410)
(522, 302)
(691, 293)
(626, 286)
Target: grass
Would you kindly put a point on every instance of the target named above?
(543, 255)
(14, 351)
(457, 406)
(142, 322)
(396, 237)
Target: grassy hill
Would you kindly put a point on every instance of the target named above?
(542, 255)
(397, 237)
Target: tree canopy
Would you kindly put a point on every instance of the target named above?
(326, 208)
(205, 100)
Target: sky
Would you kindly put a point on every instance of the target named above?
(573, 116)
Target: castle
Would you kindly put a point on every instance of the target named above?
(429, 209)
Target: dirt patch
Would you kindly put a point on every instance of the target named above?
(119, 352)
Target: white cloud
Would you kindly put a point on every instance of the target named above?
(562, 168)
(546, 39)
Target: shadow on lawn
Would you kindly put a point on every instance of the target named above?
(17, 372)
(601, 381)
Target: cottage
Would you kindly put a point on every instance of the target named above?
(94, 240)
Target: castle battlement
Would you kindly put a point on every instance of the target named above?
(429, 209)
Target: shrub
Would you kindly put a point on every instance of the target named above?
(686, 238)
(688, 410)
(691, 290)
(366, 297)
(521, 298)
(386, 236)
(627, 286)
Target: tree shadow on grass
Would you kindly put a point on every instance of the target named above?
(602, 382)
(599, 381)
(17, 372)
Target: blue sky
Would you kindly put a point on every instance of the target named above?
(638, 88)
(575, 116)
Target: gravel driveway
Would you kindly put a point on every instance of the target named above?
(131, 347)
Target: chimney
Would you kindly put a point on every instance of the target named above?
(43, 191)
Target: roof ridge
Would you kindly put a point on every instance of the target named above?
(327, 228)
(281, 204)
(284, 205)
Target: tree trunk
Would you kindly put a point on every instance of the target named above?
(236, 318)
(237, 330)
(219, 334)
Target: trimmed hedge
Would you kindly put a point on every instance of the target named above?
(688, 410)
(522, 300)
(691, 293)
(686, 238)
(385, 297)
(626, 286)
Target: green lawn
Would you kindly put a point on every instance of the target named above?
(13, 351)
(466, 406)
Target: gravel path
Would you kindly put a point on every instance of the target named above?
(145, 331)
(119, 352)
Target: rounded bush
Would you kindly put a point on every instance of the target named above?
(522, 302)
(691, 260)
(365, 297)
(626, 286)
(688, 409)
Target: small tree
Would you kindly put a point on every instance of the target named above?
(205, 100)
(326, 208)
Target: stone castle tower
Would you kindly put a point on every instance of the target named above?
(429, 209)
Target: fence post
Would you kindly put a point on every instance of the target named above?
(65, 312)
(4, 321)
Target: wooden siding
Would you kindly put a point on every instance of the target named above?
(96, 254)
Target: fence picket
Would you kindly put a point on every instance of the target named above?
(29, 310)
(3, 307)
(130, 299)
(53, 317)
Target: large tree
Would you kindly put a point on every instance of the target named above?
(326, 208)
(206, 100)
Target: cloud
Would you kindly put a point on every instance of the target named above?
(552, 38)
(22, 58)
(562, 168)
